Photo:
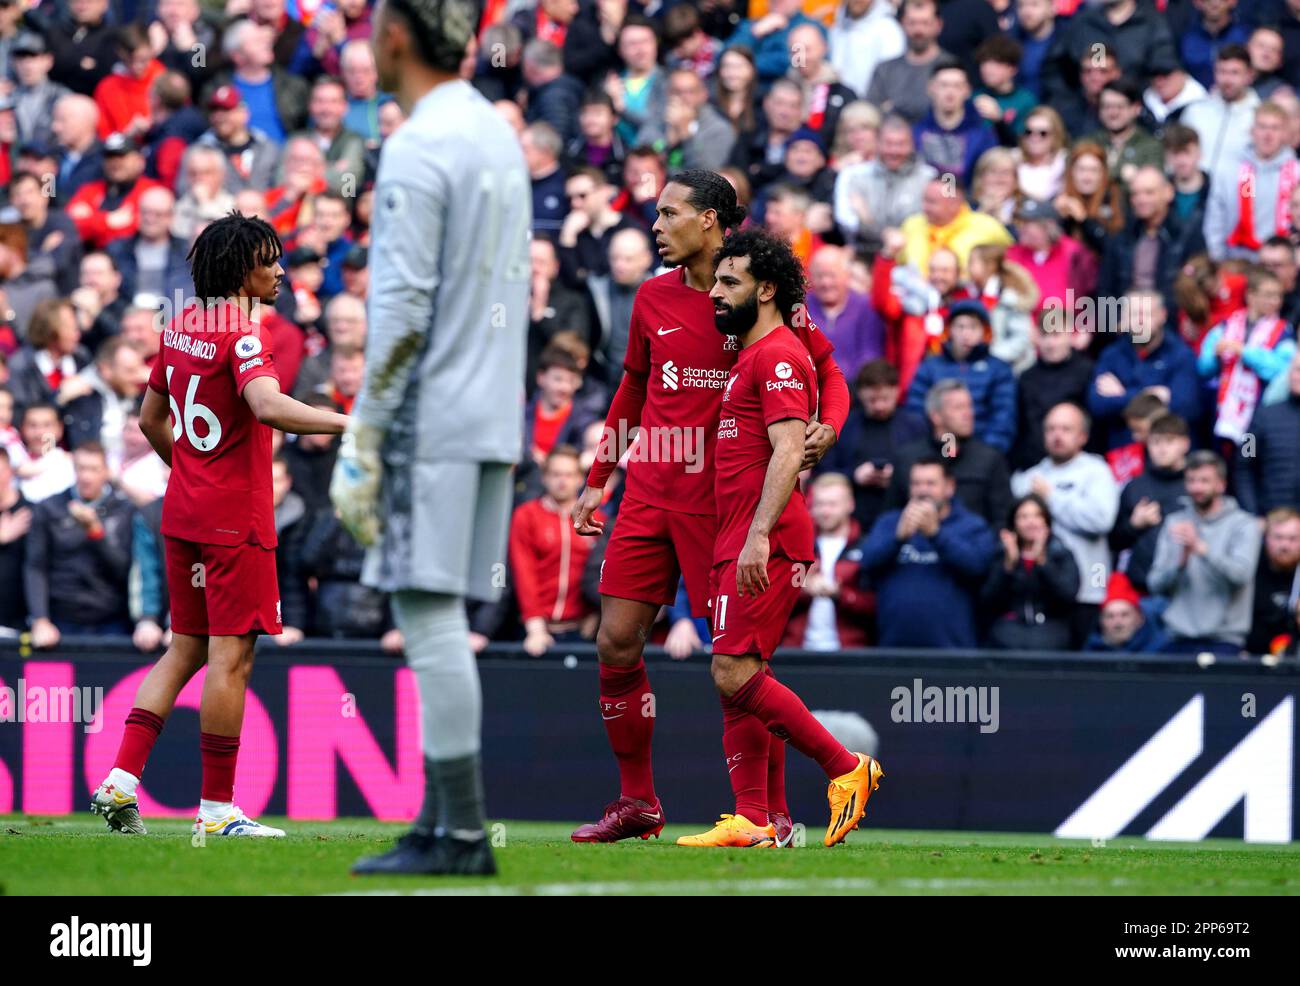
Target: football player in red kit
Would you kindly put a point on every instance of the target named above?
(216, 379)
(765, 542)
(675, 369)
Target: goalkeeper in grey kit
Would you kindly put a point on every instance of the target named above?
(425, 471)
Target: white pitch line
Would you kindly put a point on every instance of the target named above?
(610, 888)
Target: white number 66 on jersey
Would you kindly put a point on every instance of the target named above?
(194, 411)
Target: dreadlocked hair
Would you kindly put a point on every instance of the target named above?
(709, 190)
(771, 260)
(228, 250)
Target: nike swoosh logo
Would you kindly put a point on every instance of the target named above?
(656, 817)
(607, 718)
(665, 332)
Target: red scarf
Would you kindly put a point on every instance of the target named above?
(1239, 387)
(1244, 234)
(817, 112)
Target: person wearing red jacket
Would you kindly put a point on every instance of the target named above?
(108, 209)
(123, 96)
(832, 612)
(547, 558)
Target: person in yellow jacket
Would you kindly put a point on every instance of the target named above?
(945, 220)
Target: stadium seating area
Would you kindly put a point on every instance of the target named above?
(1109, 192)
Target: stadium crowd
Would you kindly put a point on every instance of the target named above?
(1054, 244)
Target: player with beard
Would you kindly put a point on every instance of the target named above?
(764, 543)
(216, 373)
(675, 369)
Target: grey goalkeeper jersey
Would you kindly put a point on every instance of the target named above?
(449, 277)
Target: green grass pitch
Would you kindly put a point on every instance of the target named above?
(77, 856)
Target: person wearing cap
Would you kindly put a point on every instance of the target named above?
(123, 95)
(965, 357)
(108, 209)
(691, 131)
(805, 169)
(34, 94)
(1122, 627)
(952, 135)
(356, 272)
(251, 157)
(1171, 91)
(1061, 266)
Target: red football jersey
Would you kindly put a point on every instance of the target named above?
(220, 486)
(673, 339)
(772, 380)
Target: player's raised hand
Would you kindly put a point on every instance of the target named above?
(751, 566)
(585, 521)
(354, 487)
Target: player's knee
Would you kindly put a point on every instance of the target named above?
(727, 674)
(619, 645)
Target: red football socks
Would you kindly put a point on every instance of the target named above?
(142, 729)
(745, 741)
(219, 754)
(776, 803)
(630, 723)
(785, 715)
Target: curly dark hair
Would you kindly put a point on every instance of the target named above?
(770, 259)
(227, 250)
(709, 190)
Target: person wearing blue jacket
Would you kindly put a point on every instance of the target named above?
(965, 357)
(1148, 358)
(927, 562)
(768, 37)
(953, 135)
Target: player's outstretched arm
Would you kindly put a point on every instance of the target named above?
(156, 424)
(271, 407)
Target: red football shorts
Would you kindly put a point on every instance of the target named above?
(651, 548)
(752, 624)
(221, 591)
